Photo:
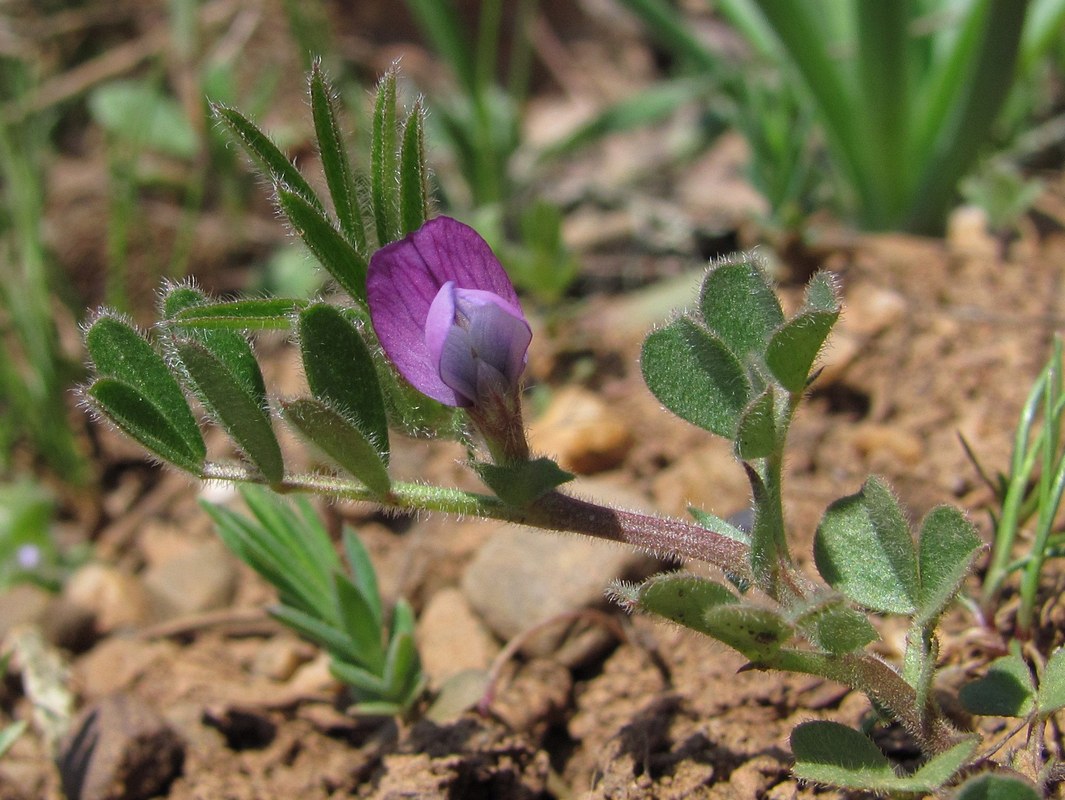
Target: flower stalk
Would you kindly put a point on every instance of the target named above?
(554, 511)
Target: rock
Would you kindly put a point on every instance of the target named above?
(968, 235)
(280, 657)
(69, 626)
(23, 604)
(708, 478)
(581, 432)
(119, 749)
(522, 576)
(451, 638)
(869, 310)
(160, 541)
(116, 663)
(115, 598)
(872, 440)
(313, 678)
(535, 697)
(201, 580)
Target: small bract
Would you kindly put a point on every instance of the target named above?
(447, 314)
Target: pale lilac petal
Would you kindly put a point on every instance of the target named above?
(439, 321)
(458, 368)
(486, 351)
(500, 338)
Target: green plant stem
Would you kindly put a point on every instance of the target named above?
(554, 511)
(866, 673)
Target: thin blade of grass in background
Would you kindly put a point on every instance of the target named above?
(34, 377)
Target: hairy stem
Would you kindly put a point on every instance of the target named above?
(554, 511)
(868, 674)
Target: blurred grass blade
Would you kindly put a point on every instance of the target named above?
(674, 32)
(274, 164)
(335, 163)
(956, 128)
(439, 22)
(319, 632)
(883, 72)
(305, 542)
(236, 408)
(360, 678)
(363, 574)
(333, 251)
(800, 29)
(356, 616)
(643, 108)
(262, 550)
(413, 183)
(402, 670)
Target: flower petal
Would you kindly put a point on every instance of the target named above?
(405, 278)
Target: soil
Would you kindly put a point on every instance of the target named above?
(941, 339)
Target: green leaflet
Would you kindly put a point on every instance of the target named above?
(237, 409)
(695, 375)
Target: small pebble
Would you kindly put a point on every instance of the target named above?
(116, 599)
(582, 432)
(203, 579)
(451, 638)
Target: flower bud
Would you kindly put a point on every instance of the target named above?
(448, 318)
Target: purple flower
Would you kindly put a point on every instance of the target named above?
(447, 315)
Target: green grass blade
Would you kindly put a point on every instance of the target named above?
(319, 632)
(441, 25)
(357, 619)
(262, 551)
(883, 70)
(799, 27)
(302, 540)
(641, 109)
(402, 668)
(363, 573)
(359, 678)
(670, 27)
(958, 124)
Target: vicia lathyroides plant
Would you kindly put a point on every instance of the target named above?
(433, 334)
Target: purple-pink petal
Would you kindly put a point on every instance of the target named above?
(406, 277)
